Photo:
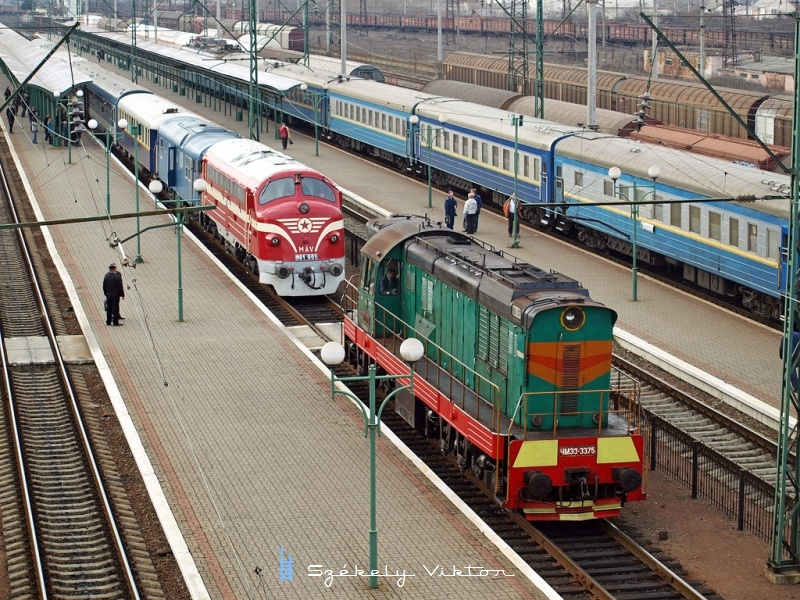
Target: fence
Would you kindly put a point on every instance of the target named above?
(737, 492)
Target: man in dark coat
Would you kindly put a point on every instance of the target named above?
(114, 290)
(449, 210)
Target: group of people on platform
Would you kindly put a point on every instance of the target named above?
(20, 105)
(472, 211)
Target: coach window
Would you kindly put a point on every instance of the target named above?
(752, 237)
(694, 219)
(495, 156)
(675, 215)
(475, 155)
(457, 144)
(383, 121)
(484, 153)
(733, 232)
(646, 210)
(772, 244)
(658, 212)
(507, 160)
(714, 225)
(277, 188)
(578, 178)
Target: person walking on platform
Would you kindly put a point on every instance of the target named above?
(479, 201)
(7, 93)
(34, 131)
(11, 118)
(285, 135)
(450, 210)
(470, 210)
(509, 210)
(114, 291)
(48, 129)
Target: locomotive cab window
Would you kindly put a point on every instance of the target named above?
(367, 270)
(390, 282)
(277, 188)
(318, 189)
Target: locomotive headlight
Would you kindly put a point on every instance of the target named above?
(274, 240)
(573, 318)
(304, 208)
(335, 238)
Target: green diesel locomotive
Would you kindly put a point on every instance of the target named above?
(516, 381)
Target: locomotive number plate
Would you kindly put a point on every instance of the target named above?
(577, 450)
(301, 257)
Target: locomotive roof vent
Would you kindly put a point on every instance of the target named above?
(460, 241)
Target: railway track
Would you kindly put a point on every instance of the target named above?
(718, 429)
(579, 560)
(75, 517)
(59, 518)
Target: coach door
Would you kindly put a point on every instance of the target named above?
(171, 151)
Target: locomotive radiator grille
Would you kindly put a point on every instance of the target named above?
(570, 378)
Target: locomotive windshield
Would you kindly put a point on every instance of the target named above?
(277, 188)
(318, 189)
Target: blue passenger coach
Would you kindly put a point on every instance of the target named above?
(182, 142)
(107, 90)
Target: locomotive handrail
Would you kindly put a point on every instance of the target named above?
(628, 394)
(446, 372)
(443, 370)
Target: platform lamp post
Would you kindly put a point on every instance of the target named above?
(315, 98)
(411, 351)
(109, 140)
(430, 138)
(516, 121)
(135, 131)
(200, 186)
(654, 172)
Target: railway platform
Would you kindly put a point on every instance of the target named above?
(263, 477)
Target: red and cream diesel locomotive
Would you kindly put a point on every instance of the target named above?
(282, 218)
